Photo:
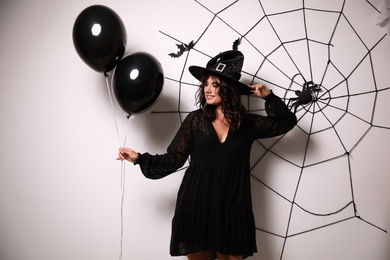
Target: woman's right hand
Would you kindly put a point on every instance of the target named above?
(260, 90)
(127, 154)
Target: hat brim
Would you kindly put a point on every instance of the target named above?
(200, 72)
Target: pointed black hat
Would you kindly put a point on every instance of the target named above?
(227, 66)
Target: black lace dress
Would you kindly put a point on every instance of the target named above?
(214, 207)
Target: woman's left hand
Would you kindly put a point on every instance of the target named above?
(260, 90)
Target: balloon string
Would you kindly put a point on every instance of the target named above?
(123, 171)
(122, 202)
(112, 107)
(123, 178)
(130, 118)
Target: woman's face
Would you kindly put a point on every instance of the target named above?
(211, 91)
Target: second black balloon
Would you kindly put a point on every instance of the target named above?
(137, 82)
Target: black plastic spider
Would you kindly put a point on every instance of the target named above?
(307, 95)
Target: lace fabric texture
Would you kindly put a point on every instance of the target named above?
(214, 207)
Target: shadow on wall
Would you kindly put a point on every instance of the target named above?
(262, 211)
(159, 125)
(273, 186)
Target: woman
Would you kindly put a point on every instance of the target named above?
(213, 215)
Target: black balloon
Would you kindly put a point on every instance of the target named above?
(137, 82)
(99, 37)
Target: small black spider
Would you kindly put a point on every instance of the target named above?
(307, 95)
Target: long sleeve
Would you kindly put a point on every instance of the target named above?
(160, 165)
(279, 119)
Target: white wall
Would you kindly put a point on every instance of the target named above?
(60, 185)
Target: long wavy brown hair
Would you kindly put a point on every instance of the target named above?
(232, 107)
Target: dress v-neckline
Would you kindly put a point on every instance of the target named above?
(216, 134)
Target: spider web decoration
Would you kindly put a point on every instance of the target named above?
(287, 45)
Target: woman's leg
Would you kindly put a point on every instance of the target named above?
(202, 255)
(221, 256)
